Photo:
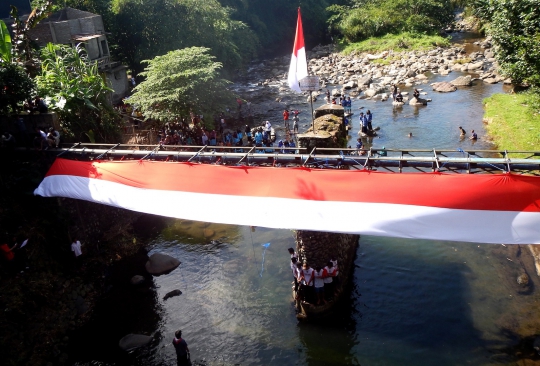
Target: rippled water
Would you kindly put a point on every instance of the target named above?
(411, 302)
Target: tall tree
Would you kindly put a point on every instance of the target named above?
(515, 28)
(180, 82)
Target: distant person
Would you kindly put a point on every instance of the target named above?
(318, 284)
(399, 97)
(394, 91)
(416, 94)
(182, 350)
(40, 105)
(410, 134)
(462, 131)
(76, 248)
(369, 117)
(474, 136)
(327, 96)
(286, 119)
(292, 253)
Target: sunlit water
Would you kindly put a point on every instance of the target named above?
(411, 302)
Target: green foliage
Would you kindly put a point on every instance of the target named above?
(396, 42)
(15, 87)
(181, 82)
(514, 120)
(364, 19)
(23, 52)
(77, 92)
(5, 43)
(143, 30)
(515, 28)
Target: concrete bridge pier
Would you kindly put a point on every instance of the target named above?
(316, 248)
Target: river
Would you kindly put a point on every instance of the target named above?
(410, 302)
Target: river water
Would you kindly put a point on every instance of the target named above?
(410, 302)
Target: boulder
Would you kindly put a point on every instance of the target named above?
(418, 101)
(133, 341)
(365, 80)
(476, 65)
(137, 280)
(523, 280)
(462, 81)
(444, 87)
(351, 84)
(160, 263)
(491, 80)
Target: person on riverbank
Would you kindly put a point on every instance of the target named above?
(286, 119)
(9, 256)
(182, 350)
(77, 252)
(474, 136)
(462, 132)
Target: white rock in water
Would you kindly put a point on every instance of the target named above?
(160, 263)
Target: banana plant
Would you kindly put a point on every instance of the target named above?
(5, 43)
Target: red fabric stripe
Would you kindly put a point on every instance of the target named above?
(299, 37)
(501, 192)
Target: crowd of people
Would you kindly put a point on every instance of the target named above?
(317, 285)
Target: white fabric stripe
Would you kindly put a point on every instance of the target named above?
(297, 69)
(347, 217)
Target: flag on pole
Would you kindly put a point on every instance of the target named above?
(298, 69)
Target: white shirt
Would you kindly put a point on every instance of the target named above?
(329, 271)
(308, 274)
(319, 281)
(76, 248)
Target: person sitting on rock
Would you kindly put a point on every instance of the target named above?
(399, 97)
(334, 101)
(416, 94)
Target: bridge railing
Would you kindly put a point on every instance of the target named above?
(393, 160)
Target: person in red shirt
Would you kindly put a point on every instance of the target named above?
(286, 119)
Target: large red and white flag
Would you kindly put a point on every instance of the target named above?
(298, 68)
(488, 208)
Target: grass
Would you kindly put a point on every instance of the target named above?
(514, 121)
(396, 42)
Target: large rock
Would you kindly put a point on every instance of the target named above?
(418, 101)
(462, 81)
(365, 80)
(476, 65)
(444, 87)
(132, 341)
(160, 263)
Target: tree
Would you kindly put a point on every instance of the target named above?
(15, 87)
(145, 29)
(180, 82)
(515, 29)
(77, 92)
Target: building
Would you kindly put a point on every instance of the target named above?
(71, 27)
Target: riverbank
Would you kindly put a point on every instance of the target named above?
(513, 121)
(43, 300)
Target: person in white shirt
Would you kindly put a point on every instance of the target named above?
(307, 282)
(328, 279)
(76, 248)
(319, 285)
(293, 253)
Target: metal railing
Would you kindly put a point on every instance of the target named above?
(392, 160)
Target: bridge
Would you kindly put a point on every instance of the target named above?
(392, 160)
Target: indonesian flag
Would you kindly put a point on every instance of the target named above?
(298, 69)
(483, 208)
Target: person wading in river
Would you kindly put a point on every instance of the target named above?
(182, 350)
